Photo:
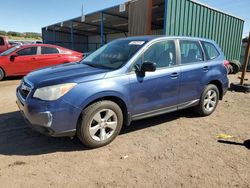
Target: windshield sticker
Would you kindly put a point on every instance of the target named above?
(139, 43)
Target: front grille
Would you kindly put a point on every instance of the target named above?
(24, 89)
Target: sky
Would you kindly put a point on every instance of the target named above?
(31, 15)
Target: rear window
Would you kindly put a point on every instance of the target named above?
(48, 50)
(1, 41)
(210, 50)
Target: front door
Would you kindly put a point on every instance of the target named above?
(156, 91)
(24, 62)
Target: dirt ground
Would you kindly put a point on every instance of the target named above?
(173, 150)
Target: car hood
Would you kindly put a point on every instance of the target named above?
(71, 72)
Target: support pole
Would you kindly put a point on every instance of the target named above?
(102, 29)
(54, 36)
(165, 16)
(87, 38)
(246, 60)
(72, 36)
(149, 19)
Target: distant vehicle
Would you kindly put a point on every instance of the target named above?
(37, 42)
(125, 80)
(15, 43)
(4, 44)
(21, 60)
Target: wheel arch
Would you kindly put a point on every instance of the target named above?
(118, 100)
(3, 71)
(218, 84)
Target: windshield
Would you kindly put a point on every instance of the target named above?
(114, 54)
(7, 52)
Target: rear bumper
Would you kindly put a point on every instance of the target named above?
(57, 119)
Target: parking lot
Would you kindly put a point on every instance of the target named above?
(173, 150)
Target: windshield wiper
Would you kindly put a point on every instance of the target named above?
(97, 65)
(90, 64)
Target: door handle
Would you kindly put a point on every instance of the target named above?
(206, 68)
(174, 75)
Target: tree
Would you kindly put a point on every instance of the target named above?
(14, 34)
(3, 32)
(32, 35)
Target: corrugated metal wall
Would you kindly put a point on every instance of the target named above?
(188, 18)
(94, 41)
(64, 40)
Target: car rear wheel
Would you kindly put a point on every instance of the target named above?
(1, 74)
(101, 122)
(208, 101)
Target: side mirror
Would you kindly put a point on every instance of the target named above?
(148, 66)
(12, 57)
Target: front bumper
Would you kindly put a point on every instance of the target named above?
(57, 118)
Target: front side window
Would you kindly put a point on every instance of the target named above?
(9, 51)
(1, 41)
(27, 51)
(49, 50)
(191, 52)
(162, 53)
(210, 50)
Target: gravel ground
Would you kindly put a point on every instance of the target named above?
(173, 150)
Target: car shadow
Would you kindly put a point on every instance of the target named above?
(246, 143)
(17, 138)
(157, 120)
(13, 78)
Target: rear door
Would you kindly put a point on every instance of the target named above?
(49, 56)
(25, 61)
(193, 71)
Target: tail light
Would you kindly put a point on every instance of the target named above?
(226, 63)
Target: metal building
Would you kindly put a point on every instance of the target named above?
(160, 17)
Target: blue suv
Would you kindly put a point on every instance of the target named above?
(125, 80)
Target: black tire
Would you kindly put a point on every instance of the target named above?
(201, 109)
(229, 69)
(88, 118)
(235, 66)
(2, 74)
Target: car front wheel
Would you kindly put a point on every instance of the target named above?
(101, 122)
(208, 101)
(1, 74)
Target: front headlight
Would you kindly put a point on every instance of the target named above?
(54, 92)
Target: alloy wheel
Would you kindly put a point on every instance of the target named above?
(210, 100)
(103, 125)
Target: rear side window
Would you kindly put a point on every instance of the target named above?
(1, 41)
(161, 53)
(48, 50)
(210, 50)
(191, 52)
(27, 51)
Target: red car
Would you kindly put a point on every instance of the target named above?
(4, 44)
(20, 60)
